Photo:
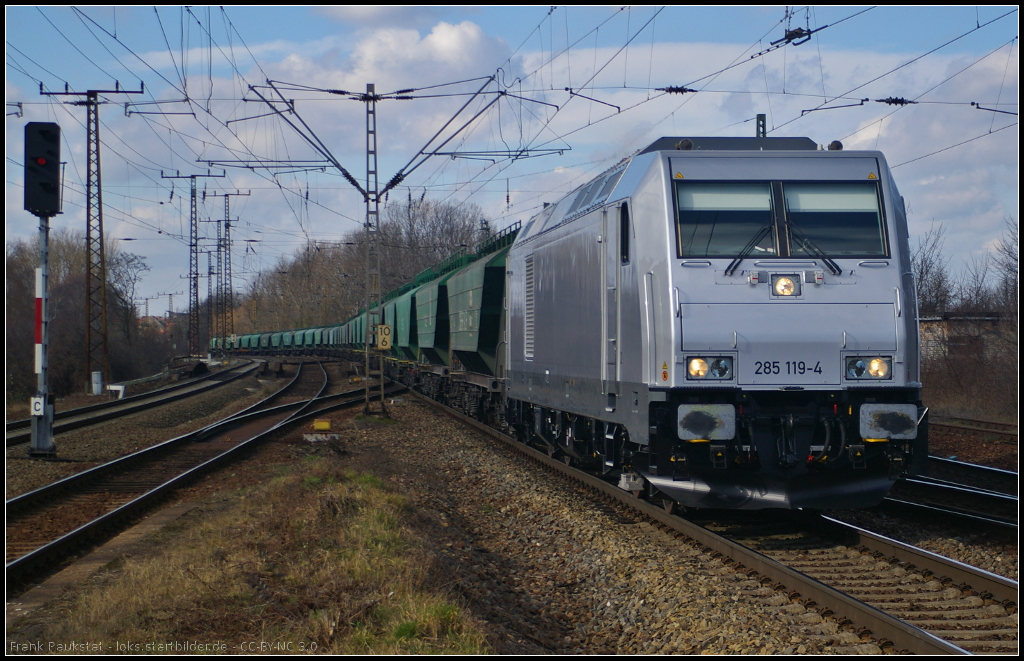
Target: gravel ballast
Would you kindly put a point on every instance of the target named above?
(81, 449)
(552, 569)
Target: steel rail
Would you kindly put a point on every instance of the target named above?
(983, 477)
(17, 569)
(879, 623)
(30, 498)
(897, 504)
(1001, 588)
(977, 422)
(1009, 431)
(85, 410)
(955, 497)
(948, 484)
(301, 404)
(18, 438)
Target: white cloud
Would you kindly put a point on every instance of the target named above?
(447, 53)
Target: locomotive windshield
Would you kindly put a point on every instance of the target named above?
(719, 220)
(837, 219)
(739, 220)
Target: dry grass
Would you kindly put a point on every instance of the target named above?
(317, 559)
(971, 387)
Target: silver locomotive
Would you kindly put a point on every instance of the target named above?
(724, 322)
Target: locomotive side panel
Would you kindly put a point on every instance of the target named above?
(657, 332)
(555, 318)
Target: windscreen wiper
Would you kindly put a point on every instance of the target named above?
(809, 246)
(749, 248)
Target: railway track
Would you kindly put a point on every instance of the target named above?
(1003, 431)
(955, 499)
(19, 431)
(973, 475)
(960, 490)
(906, 598)
(47, 525)
(968, 608)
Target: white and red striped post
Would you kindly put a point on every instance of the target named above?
(42, 405)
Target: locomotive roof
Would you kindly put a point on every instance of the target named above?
(732, 144)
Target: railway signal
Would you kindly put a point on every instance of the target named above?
(42, 168)
(42, 198)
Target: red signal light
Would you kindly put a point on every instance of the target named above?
(42, 169)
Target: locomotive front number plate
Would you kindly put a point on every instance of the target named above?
(787, 370)
(788, 367)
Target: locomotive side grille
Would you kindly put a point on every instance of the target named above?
(528, 316)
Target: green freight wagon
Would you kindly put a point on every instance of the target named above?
(475, 297)
(404, 335)
(432, 324)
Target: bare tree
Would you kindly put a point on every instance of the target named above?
(972, 367)
(1005, 296)
(931, 272)
(20, 262)
(1005, 262)
(67, 316)
(124, 273)
(972, 294)
(325, 282)
(418, 235)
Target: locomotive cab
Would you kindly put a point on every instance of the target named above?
(793, 379)
(734, 319)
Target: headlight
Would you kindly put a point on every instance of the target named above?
(709, 367)
(785, 285)
(721, 368)
(877, 367)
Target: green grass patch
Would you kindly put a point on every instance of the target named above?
(367, 480)
(405, 631)
(318, 559)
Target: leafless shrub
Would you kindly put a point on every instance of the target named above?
(931, 272)
(129, 358)
(970, 368)
(325, 282)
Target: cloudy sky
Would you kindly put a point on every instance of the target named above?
(563, 94)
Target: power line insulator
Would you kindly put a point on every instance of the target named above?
(895, 101)
(672, 89)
